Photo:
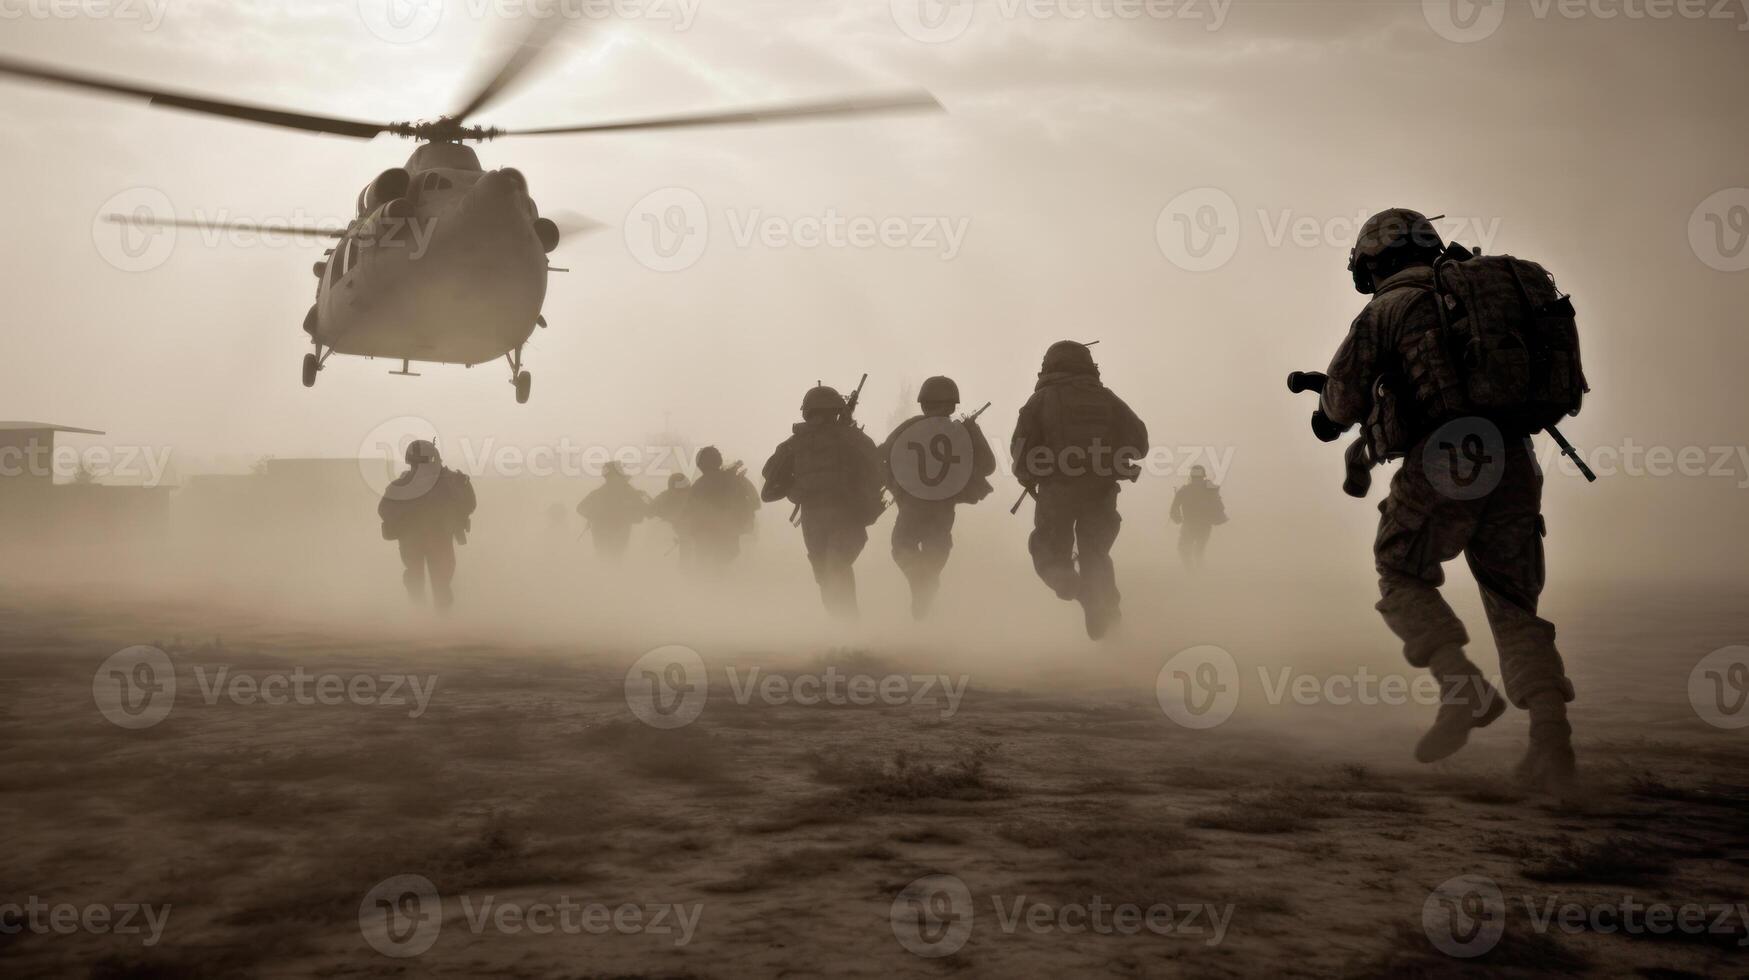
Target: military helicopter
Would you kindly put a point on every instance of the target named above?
(445, 262)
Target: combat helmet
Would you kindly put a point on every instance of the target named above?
(1070, 357)
(939, 389)
(422, 451)
(822, 400)
(1389, 231)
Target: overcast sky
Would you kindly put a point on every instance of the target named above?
(1070, 191)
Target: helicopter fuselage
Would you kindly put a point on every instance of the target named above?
(449, 270)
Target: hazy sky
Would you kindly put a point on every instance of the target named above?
(1031, 211)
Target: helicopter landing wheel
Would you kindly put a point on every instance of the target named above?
(523, 383)
(311, 366)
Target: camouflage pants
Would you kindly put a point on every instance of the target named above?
(1193, 539)
(433, 556)
(922, 540)
(1074, 525)
(834, 539)
(1499, 532)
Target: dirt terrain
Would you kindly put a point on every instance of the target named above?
(787, 839)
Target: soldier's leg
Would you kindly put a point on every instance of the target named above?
(1421, 528)
(1053, 540)
(908, 530)
(847, 540)
(440, 560)
(937, 540)
(934, 545)
(816, 538)
(1506, 558)
(1096, 531)
(413, 565)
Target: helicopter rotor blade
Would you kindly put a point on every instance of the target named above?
(866, 105)
(156, 222)
(535, 43)
(195, 103)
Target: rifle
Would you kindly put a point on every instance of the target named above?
(1357, 458)
(846, 417)
(1025, 492)
(974, 416)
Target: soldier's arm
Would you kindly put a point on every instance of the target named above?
(1347, 396)
(983, 457)
(778, 474)
(1026, 435)
(1133, 431)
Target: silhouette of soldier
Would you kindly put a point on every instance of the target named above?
(932, 463)
(1422, 525)
(829, 468)
(611, 509)
(719, 510)
(1196, 508)
(669, 507)
(427, 512)
(1073, 442)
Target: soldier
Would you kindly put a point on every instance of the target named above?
(931, 468)
(427, 512)
(669, 507)
(1197, 509)
(611, 509)
(829, 469)
(1422, 525)
(719, 509)
(1073, 442)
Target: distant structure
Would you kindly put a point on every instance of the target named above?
(36, 511)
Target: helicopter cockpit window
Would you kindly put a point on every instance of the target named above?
(436, 182)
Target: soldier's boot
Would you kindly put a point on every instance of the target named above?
(1549, 766)
(1466, 702)
(414, 580)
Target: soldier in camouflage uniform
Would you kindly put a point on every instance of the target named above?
(611, 509)
(427, 511)
(829, 468)
(1196, 509)
(923, 530)
(1423, 524)
(1073, 442)
(719, 510)
(669, 507)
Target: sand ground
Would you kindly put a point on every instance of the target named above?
(1296, 841)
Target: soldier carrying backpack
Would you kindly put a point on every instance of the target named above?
(1454, 364)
